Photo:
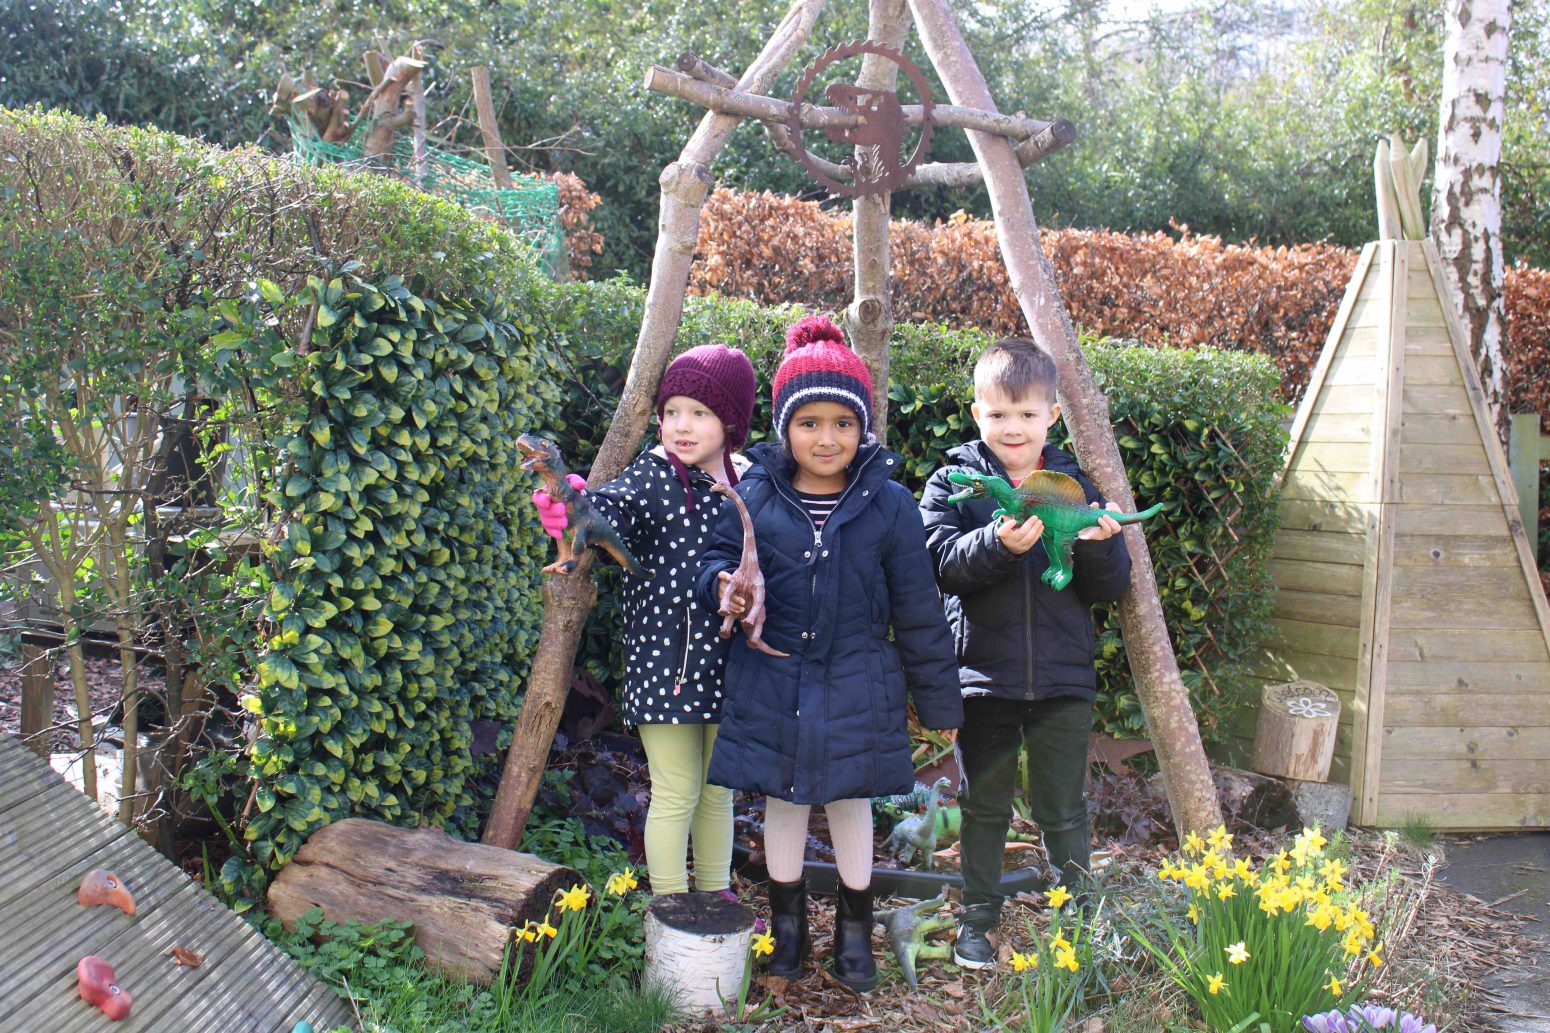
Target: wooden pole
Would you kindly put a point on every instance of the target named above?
(685, 185)
(869, 319)
(417, 95)
(494, 149)
(37, 697)
(1163, 696)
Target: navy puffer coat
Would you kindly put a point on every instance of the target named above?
(828, 722)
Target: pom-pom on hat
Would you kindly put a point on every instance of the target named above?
(820, 367)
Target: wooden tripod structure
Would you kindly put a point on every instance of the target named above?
(1003, 145)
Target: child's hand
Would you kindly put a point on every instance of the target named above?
(551, 513)
(1019, 538)
(731, 606)
(1107, 528)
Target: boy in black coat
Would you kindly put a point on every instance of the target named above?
(1025, 650)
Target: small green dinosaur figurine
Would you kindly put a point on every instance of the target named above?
(908, 928)
(1055, 498)
(586, 525)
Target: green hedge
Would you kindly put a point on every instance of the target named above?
(372, 353)
(1201, 431)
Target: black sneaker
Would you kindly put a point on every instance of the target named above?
(972, 948)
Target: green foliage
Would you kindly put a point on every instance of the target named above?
(379, 968)
(599, 859)
(372, 398)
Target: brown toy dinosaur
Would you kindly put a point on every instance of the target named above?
(586, 525)
(746, 581)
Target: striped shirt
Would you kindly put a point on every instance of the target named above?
(819, 506)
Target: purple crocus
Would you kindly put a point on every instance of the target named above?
(1410, 1024)
(1326, 1022)
(1375, 1016)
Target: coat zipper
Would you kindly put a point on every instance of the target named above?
(683, 669)
(812, 584)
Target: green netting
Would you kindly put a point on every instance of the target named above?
(530, 208)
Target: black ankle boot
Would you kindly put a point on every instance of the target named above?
(853, 962)
(788, 924)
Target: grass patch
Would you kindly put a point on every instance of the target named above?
(1418, 832)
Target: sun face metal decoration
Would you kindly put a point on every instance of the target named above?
(882, 127)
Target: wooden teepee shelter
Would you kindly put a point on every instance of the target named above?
(1406, 583)
(1003, 145)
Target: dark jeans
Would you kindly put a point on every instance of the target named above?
(1054, 731)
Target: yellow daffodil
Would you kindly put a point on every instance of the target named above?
(1059, 943)
(1166, 870)
(1193, 914)
(764, 943)
(1353, 945)
(1066, 959)
(1193, 844)
(1374, 958)
(621, 883)
(545, 929)
(1343, 920)
(527, 933)
(1267, 904)
(1220, 838)
(1216, 985)
(1281, 863)
(1023, 962)
(1225, 891)
(1237, 954)
(1058, 896)
(575, 898)
(1311, 841)
(1243, 869)
(1197, 878)
(1333, 986)
(1210, 860)
(1321, 917)
(1333, 870)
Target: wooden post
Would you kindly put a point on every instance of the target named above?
(696, 949)
(1164, 698)
(869, 319)
(494, 149)
(685, 185)
(417, 97)
(37, 697)
(1523, 455)
(1296, 733)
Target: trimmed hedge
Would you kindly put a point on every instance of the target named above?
(373, 351)
(1201, 430)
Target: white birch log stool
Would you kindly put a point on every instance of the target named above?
(1296, 733)
(696, 948)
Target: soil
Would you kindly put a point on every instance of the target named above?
(103, 676)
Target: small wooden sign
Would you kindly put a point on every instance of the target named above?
(1296, 733)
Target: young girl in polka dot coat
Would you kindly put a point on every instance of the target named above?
(663, 508)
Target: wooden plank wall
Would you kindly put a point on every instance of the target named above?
(50, 836)
(1466, 723)
(1327, 503)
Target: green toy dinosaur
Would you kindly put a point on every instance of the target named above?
(1055, 498)
(908, 928)
(586, 525)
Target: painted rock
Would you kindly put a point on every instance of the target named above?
(99, 987)
(101, 886)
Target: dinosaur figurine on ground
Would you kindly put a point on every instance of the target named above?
(747, 581)
(918, 831)
(1055, 498)
(585, 526)
(909, 926)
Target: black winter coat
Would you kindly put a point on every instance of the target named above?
(673, 657)
(1017, 638)
(828, 722)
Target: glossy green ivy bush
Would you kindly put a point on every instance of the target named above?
(1201, 431)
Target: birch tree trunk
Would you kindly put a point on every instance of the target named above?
(1164, 698)
(1467, 194)
(567, 599)
(869, 319)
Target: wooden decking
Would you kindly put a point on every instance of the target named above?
(50, 836)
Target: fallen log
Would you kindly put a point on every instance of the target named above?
(463, 899)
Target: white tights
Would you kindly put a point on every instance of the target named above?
(850, 827)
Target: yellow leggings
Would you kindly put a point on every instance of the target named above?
(681, 805)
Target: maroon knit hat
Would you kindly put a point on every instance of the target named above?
(820, 367)
(721, 379)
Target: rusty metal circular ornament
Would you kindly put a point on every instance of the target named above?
(883, 126)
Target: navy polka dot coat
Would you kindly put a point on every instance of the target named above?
(828, 722)
(673, 657)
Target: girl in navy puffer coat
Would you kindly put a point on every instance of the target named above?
(844, 558)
